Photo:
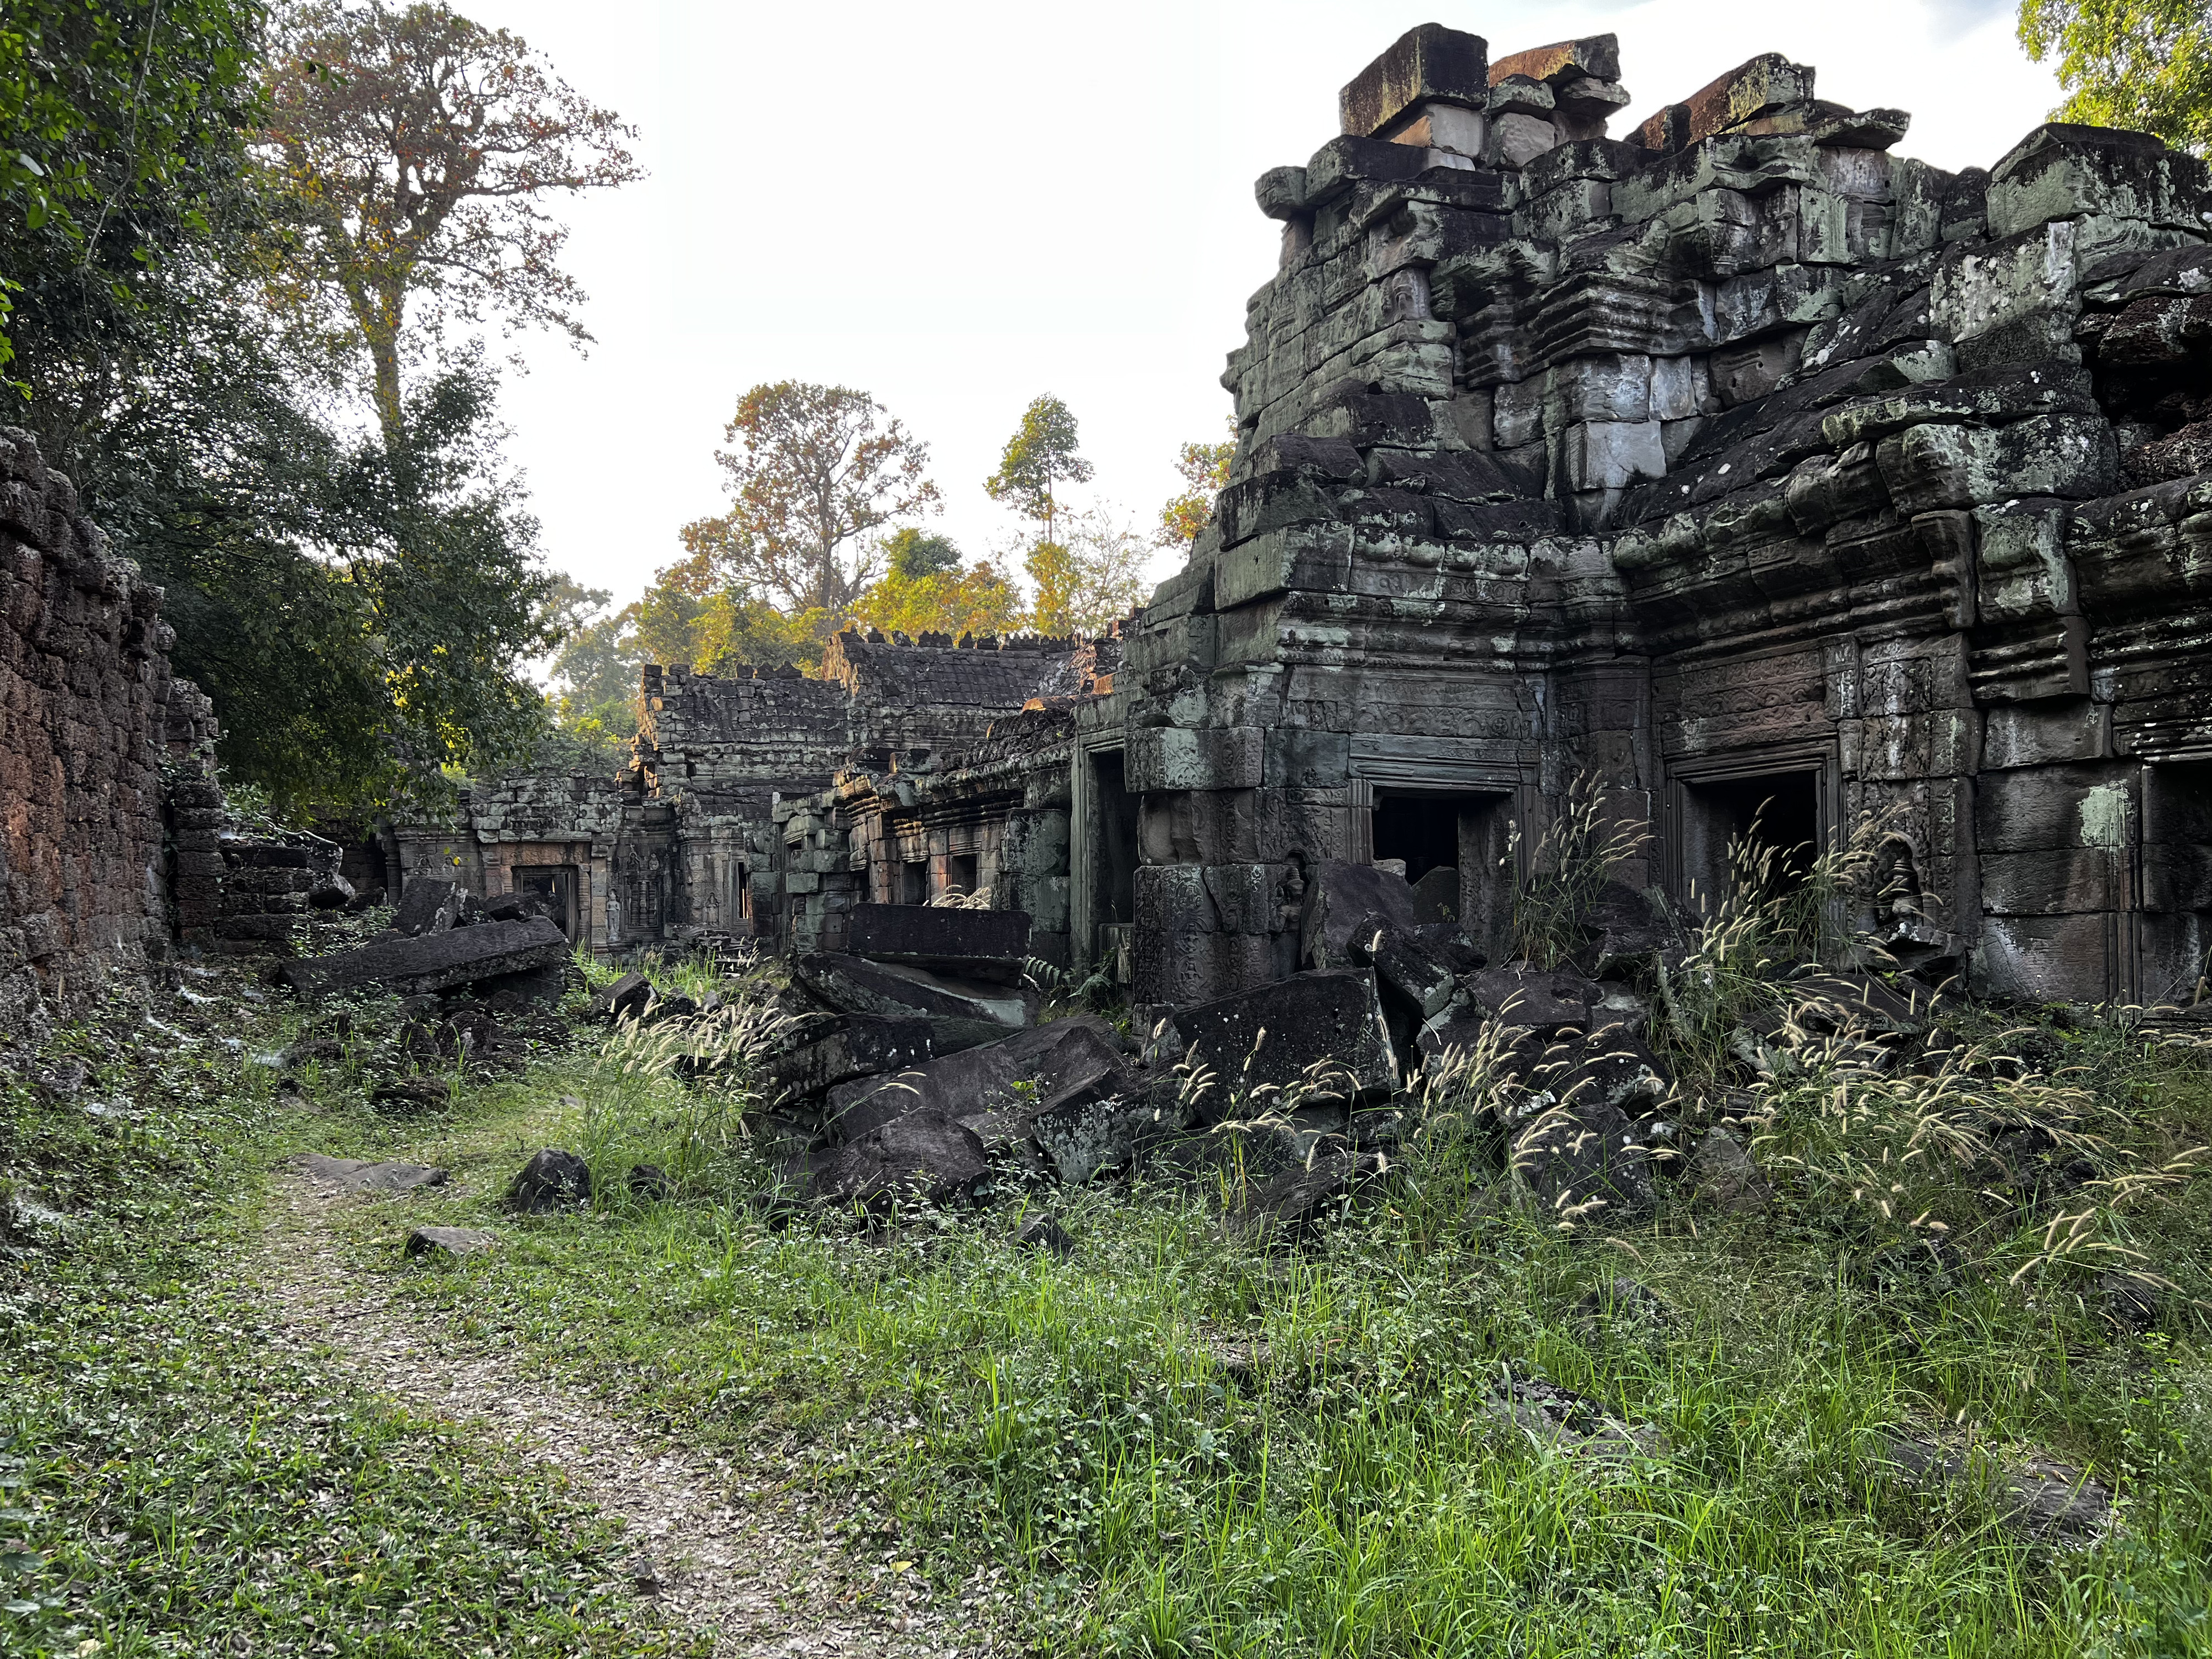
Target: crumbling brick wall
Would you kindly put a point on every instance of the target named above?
(84, 684)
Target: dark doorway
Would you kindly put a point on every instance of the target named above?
(554, 888)
(960, 873)
(913, 882)
(1114, 869)
(1422, 829)
(1780, 811)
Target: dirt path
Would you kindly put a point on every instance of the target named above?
(754, 1567)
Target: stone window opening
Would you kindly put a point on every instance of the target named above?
(1780, 811)
(961, 871)
(1452, 842)
(1114, 871)
(913, 882)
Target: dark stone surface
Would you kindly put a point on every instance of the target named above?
(1583, 1164)
(460, 956)
(551, 1180)
(835, 1049)
(1341, 897)
(357, 1174)
(411, 1093)
(1320, 1033)
(1065, 1063)
(1406, 969)
(983, 944)
(960, 1012)
(1044, 1232)
(923, 1155)
(428, 906)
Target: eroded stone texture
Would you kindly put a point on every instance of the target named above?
(84, 724)
(1757, 472)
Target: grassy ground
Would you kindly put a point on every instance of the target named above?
(1176, 1441)
(1183, 1443)
(178, 1481)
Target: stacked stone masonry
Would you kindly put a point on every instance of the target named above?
(1760, 474)
(84, 684)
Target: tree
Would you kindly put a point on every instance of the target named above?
(1096, 577)
(822, 467)
(1205, 470)
(912, 554)
(121, 123)
(414, 146)
(1039, 457)
(359, 613)
(2145, 64)
(944, 600)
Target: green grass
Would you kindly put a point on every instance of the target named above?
(179, 1483)
(1077, 1422)
(1087, 1427)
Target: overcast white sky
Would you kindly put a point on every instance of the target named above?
(957, 208)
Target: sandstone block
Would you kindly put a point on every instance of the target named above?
(1424, 65)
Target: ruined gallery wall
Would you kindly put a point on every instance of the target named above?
(1740, 459)
(83, 687)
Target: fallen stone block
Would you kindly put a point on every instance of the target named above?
(434, 962)
(990, 946)
(449, 1243)
(1320, 1035)
(960, 1012)
(428, 906)
(1294, 1203)
(1095, 1131)
(1543, 999)
(1405, 968)
(1044, 1232)
(551, 1180)
(1567, 1421)
(1583, 1166)
(829, 1049)
(1722, 1173)
(626, 998)
(1829, 1002)
(1341, 897)
(1061, 1065)
(923, 1155)
(358, 1175)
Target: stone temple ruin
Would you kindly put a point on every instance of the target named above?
(1737, 461)
(1740, 463)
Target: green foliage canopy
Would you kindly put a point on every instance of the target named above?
(2143, 64)
(1037, 459)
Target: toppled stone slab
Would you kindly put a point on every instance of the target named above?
(1294, 1202)
(428, 906)
(1563, 1420)
(1543, 999)
(1065, 1063)
(1832, 1001)
(627, 998)
(412, 1093)
(551, 1180)
(1407, 971)
(1321, 1034)
(449, 1243)
(1044, 1232)
(1583, 1166)
(923, 1155)
(358, 1175)
(1341, 898)
(2049, 1502)
(1722, 1173)
(830, 1049)
(435, 962)
(989, 946)
(960, 1012)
